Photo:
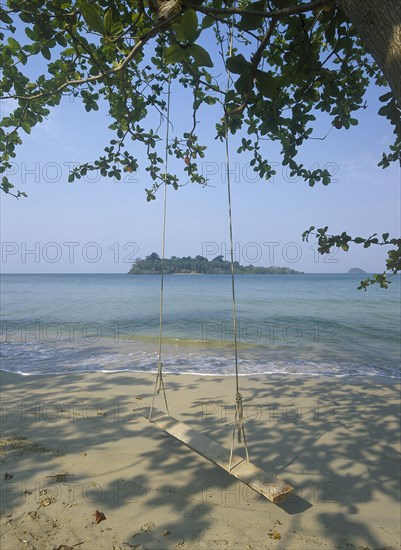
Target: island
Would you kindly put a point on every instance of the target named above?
(357, 270)
(152, 264)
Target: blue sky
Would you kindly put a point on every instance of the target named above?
(99, 225)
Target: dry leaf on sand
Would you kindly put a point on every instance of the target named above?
(99, 516)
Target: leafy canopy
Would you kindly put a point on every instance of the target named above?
(287, 60)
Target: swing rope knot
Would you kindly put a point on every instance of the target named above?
(240, 411)
(159, 377)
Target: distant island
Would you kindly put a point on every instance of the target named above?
(356, 270)
(153, 264)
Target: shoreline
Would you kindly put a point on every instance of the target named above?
(74, 444)
(292, 378)
(355, 378)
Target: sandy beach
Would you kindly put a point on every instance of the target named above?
(72, 446)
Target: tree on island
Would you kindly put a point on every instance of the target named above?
(152, 264)
(290, 60)
(356, 270)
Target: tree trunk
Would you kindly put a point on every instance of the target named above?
(378, 23)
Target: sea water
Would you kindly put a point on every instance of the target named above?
(310, 324)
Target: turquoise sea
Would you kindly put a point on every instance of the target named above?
(300, 324)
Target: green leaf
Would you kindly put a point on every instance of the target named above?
(175, 54)
(237, 64)
(108, 21)
(252, 22)
(117, 28)
(46, 53)
(179, 32)
(27, 127)
(92, 16)
(5, 18)
(243, 82)
(268, 84)
(200, 55)
(386, 97)
(14, 45)
(189, 24)
(330, 30)
(208, 21)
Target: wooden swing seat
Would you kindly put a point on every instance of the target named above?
(260, 481)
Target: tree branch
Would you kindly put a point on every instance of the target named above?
(141, 42)
(255, 63)
(277, 14)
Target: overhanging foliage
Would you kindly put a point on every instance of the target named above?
(289, 61)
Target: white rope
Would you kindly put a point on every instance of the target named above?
(239, 413)
(159, 385)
